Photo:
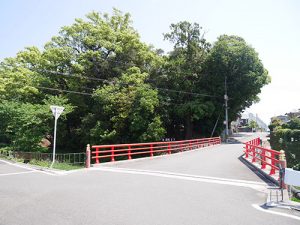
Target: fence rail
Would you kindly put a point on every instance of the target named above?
(128, 151)
(69, 158)
(265, 156)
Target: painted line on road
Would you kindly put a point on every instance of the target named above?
(26, 167)
(9, 174)
(241, 183)
(275, 213)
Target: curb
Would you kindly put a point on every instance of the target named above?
(260, 171)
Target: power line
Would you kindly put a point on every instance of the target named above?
(76, 76)
(186, 92)
(63, 90)
(105, 80)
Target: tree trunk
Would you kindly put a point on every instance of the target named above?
(188, 128)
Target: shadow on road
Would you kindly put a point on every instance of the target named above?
(257, 172)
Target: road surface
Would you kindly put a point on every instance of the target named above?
(206, 186)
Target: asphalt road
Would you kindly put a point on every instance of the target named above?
(207, 186)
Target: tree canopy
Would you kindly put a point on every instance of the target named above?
(117, 89)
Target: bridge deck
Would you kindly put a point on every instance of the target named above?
(191, 188)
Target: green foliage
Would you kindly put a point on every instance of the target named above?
(233, 58)
(288, 140)
(128, 110)
(103, 56)
(183, 72)
(275, 124)
(26, 124)
(253, 124)
(294, 123)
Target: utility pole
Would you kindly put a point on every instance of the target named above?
(226, 109)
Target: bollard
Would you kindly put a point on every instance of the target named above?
(88, 156)
(282, 162)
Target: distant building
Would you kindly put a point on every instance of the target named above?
(282, 118)
(244, 121)
(293, 114)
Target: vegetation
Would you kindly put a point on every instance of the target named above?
(117, 89)
(295, 199)
(253, 125)
(287, 137)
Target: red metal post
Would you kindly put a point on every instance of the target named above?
(272, 171)
(253, 154)
(169, 148)
(263, 159)
(190, 145)
(88, 157)
(181, 147)
(97, 155)
(151, 150)
(113, 153)
(129, 152)
(246, 149)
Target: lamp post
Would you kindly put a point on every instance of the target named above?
(226, 110)
(56, 110)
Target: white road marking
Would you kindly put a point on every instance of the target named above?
(241, 183)
(275, 213)
(27, 168)
(9, 174)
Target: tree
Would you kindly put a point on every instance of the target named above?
(253, 125)
(232, 58)
(183, 73)
(128, 110)
(84, 57)
(25, 124)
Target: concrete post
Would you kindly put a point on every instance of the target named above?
(88, 156)
(282, 162)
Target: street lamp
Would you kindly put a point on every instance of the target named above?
(226, 110)
(56, 110)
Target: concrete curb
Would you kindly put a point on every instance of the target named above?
(272, 180)
(261, 172)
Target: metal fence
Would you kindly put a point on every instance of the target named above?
(69, 158)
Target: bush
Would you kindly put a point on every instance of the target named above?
(289, 141)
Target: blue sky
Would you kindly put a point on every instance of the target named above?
(271, 27)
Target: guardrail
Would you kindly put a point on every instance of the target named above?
(128, 151)
(265, 156)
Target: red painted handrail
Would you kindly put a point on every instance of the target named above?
(258, 153)
(112, 151)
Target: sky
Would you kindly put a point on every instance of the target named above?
(272, 27)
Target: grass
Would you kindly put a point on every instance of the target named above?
(295, 199)
(57, 165)
(46, 164)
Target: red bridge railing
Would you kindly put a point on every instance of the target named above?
(127, 151)
(263, 155)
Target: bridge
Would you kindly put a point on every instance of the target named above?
(212, 184)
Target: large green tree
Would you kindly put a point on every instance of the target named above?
(182, 73)
(231, 58)
(85, 56)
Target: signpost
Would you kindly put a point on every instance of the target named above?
(56, 110)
